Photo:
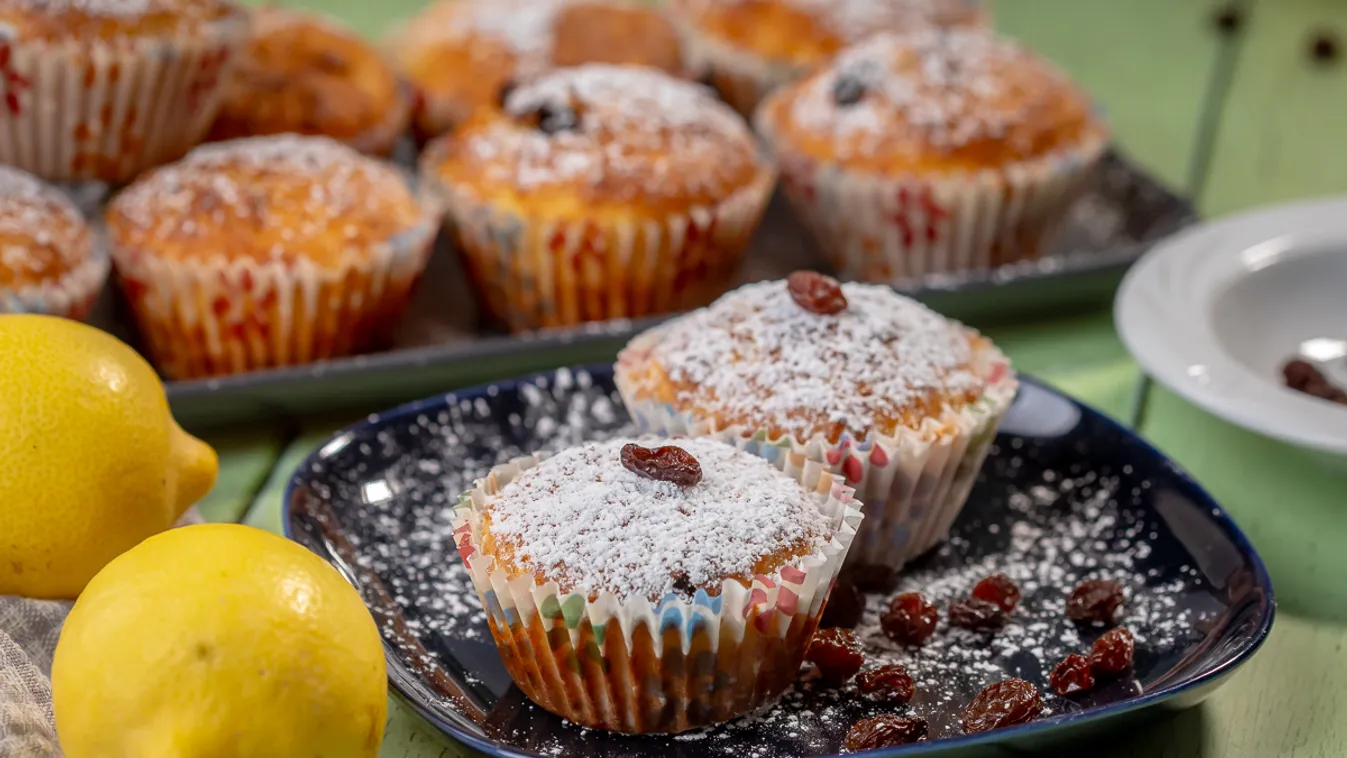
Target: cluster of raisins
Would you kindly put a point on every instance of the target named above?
(1110, 655)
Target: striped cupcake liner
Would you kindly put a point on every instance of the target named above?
(72, 295)
(539, 272)
(892, 230)
(108, 109)
(647, 667)
(229, 314)
(913, 484)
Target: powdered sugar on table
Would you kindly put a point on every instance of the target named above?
(593, 526)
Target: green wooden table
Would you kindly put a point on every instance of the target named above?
(1236, 120)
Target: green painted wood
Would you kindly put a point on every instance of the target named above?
(246, 460)
(1282, 125)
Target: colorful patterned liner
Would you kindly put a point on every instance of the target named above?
(71, 296)
(109, 109)
(913, 484)
(656, 667)
(224, 315)
(890, 230)
(535, 272)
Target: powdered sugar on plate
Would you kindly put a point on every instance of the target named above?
(756, 357)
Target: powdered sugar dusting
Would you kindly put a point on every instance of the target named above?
(756, 355)
(853, 20)
(42, 227)
(637, 130)
(593, 526)
(951, 87)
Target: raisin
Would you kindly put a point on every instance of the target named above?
(845, 604)
(816, 293)
(684, 586)
(848, 90)
(998, 589)
(885, 730)
(1112, 652)
(1072, 675)
(553, 118)
(1303, 376)
(873, 578)
(1229, 18)
(669, 463)
(503, 94)
(1095, 601)
(910, 619)
(976, 614)
(1324, 46)
(890, 684)
(1003, 704)
(837, 653)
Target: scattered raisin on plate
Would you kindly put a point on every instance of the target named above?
(669, 463)
(837, 653)
(816, 293)
(999, 589)
(844, 606)
(882, 731)
(1095, 601)
(1002, 704)
(910, 620)
(1112, 652)
(976, 614)
(1071, 675)
(889, 684)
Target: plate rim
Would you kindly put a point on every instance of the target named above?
(1249, 646)
(1169, 345)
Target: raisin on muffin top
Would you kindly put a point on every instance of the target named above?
(756, 358)
(607, 134)
(584, 520)
(280, 198)
(42, 234)
(956, 99)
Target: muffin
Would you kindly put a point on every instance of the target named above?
(265, 252)
(459, 54)
(751, 47)
(892, 397)
(50, 261)
(933, 153)
(104, 89)
(306, 74)
(600, 192)
(641, 588)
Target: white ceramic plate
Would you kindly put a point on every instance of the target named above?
(1215, 312)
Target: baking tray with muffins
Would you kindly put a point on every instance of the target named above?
(515, 184)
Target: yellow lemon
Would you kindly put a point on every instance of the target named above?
(219, 641)
(94, 462)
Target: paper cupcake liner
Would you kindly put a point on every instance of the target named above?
(107, 110)
(226, 315)
(536, 272)
(656, 667)
(742, 78)
(912, 484)
(894, 229)
(71, 296)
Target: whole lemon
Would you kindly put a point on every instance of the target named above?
(94, 462)
(219, 641)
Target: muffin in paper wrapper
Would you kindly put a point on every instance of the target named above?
(71, 296)
(538, 272)
(107, 110)
(893, 229)
(912, 484)
(221, 315)
(741, 77)
(656, 667)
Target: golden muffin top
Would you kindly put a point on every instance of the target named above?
(306, 74)
(585, 521)
(951, 100)
(112, 19)
(43, 236)
(806, 32)
(757, 358)
(600, 134)
(282, 198)
(460, 53)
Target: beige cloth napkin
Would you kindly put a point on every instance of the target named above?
(28, 633)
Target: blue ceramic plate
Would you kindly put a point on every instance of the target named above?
(1066, 495)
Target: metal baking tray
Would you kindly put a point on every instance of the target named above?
(443, 341)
